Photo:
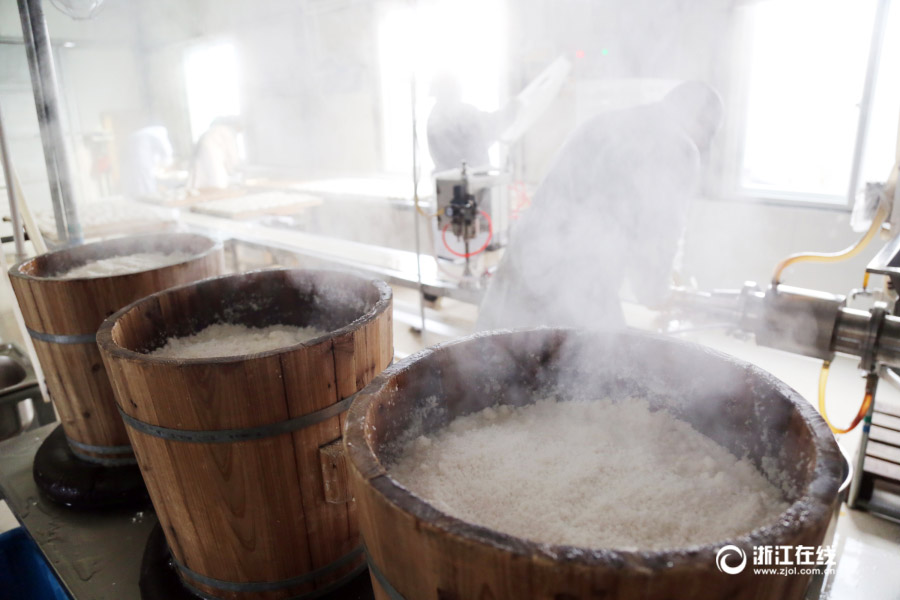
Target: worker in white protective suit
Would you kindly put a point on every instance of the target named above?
(217, 155)
(611, 209)
(148, 153)
(458, 131)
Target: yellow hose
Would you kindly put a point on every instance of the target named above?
(422, 212)
(865, 281)
(830, 257)
(863, 409)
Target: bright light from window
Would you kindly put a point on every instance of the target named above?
(881, 146)
(465, 38)
(211, 81)
(807, 67)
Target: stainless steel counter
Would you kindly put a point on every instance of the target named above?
(96, 554)
(397, 267)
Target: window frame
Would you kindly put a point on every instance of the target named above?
(728, 186)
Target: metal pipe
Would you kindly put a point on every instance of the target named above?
(887, 350)
(850, 331)
(415, 174)
(46, 99)
(860, 468)
(797, 320)
(806, 322)
(18, 233)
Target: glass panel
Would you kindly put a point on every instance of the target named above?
(881, 143)
(807, 66)
(21, 127)
(211, 84)
(422, 42)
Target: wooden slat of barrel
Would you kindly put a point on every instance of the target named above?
(79, 389)
(215, 501)
(312, 375)
(376, 346)
(76, 378)
(262, 513)
(424, 561)
(424, 554)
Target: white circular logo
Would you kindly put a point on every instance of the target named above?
(724, 554)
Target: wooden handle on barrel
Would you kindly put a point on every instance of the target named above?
(334, 472)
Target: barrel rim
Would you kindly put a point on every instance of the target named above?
(814, 504)
(214, 246)
(110, 347)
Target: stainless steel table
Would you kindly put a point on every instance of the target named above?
(95, 554)
(398, 267)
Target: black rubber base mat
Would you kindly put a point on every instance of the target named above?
(66, 479)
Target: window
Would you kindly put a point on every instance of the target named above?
(211, 81)
(881, 145)
(803, 80)
(463, 37)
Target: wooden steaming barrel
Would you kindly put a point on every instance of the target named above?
(416, 552)
(242, 455)
(63, 314)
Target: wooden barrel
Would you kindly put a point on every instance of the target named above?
(416, 552)
(63, 314)
(242, 455)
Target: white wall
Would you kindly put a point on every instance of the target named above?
(99, 82)
(114, 23)
(21, 127)
(308, 80)
(728, 242)
(310, 85)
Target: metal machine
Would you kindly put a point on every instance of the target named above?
(473, 206)
(820, 325)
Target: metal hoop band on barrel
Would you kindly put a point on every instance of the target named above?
(118, 461)
(105, 462)
(228, 436)
(392, 593)
(78, 450)
(100, 449)
(54, 338)
(268, 586)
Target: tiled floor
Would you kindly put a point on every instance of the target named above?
(9, 331)
(7, 519)
(450, 320)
